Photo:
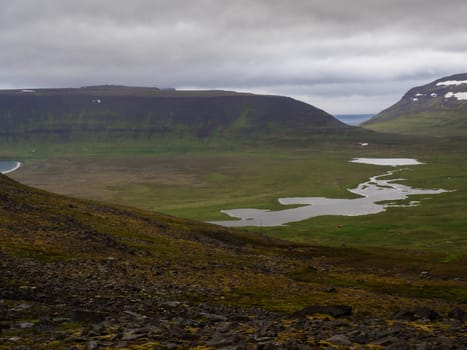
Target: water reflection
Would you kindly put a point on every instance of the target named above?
(373, 192)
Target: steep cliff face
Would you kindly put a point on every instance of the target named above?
(437, 109)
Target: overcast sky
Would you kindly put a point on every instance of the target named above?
(343, 56)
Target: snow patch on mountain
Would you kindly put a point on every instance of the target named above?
(457, 95)
(451, 82)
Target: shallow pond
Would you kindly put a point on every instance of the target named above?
(373, 192)
(387, 161)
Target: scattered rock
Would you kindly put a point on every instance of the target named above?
(135, 315)
(427, 313)
(386, 341)
(448, 343)
(87, 316)
(222, 339)
(400, 345)
(458, 314)
(133, 336)
(339, 339)
(14, 339)
(267, 329)
(404, 315)
(359, 336)
(170, 304)
(294, 344)
(22, 307)
(213, 317)
(423, 346)
(20, 347)
(92, 345)
(333, 310)
(98, 329)
(108, 312)
(239, 318)
(24, 325)
(267, 345)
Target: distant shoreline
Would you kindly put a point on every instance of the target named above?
(353, 119)
(16, 167)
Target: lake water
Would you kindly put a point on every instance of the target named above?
(7, 166)
(372, 193)
(387, 161)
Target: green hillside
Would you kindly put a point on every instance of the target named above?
(124, 115)
(436, 109)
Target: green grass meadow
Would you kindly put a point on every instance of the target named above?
(439, 223)
(197, 182)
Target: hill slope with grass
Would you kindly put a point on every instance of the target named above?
(436, 109)
(119, 114)
(80, 274)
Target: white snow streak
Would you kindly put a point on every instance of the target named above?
(458, 95)
(451, 82)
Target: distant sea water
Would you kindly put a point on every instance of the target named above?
(7, 166)
(353, 119)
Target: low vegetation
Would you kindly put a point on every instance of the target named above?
(121, 257)
(198, 185)
(51, 244)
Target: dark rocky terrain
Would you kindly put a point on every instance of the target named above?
(77, 274)
(437, 109)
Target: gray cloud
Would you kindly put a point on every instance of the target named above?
(343, 56)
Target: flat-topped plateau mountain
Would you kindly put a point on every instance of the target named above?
(121, 113)
(436, 109)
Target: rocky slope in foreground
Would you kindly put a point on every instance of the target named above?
(436, 109)
(80, 275)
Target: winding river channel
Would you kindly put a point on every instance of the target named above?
(376, 194)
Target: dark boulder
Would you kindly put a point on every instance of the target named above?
(87, 316)
(427, 313)
(339, 339)
(333, 310)
(458, 314)
(404, 315)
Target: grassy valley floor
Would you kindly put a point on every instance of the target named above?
(198, 185)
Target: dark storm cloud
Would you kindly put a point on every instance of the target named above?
(344, 56)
